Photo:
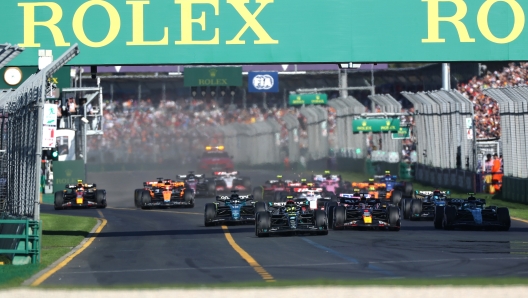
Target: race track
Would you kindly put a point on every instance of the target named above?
(174, 247)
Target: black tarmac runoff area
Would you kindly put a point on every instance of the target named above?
(173, 247)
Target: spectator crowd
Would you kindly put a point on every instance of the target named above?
(157, 131)
(487, 118)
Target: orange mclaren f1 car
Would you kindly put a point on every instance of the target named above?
(164, 193)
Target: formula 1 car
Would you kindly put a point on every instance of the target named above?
(216, 159)
(423, 205)
(232, 209)
(80, 195)
(329, 183)
(289, 218)
(228, 181)
(274, 189)
(199, 184)
(316, 196)
(165, 193)
(471, 213)
(374, 189)
(392, 184)
(360, 210)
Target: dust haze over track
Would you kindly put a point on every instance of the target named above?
(167, 247)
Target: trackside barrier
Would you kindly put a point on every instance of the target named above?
(513, 105)
(20, 240)
(445, 152)
(21, 143)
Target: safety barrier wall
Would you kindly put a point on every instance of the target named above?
(513, 105)
(445, 150)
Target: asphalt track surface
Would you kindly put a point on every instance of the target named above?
(166, 247)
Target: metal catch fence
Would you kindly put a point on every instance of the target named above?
(513, 105)
(21, 127)
(445, 139)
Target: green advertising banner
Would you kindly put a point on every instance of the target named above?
(376, 125)
(403, 133)
(308, 99)
(67, 172)
(61, 78)
(119, 32)
(212, 76)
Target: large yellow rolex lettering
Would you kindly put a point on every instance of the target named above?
(51, 24)
(251, 21)
(138, 34)
(518, 17)
(78, 26)
(434, 19)
(187, 22)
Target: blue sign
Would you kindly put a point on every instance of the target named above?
(263, 82)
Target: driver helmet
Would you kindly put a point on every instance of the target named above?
(79, 183)
(290, 206)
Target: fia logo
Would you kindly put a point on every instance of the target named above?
(263, 82)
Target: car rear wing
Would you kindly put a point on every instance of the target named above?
(234, 173)
(306, 189)
(74, 186)
(298, 202)
(460, 202)
(228, 198)
(422, 193)
(393, 177)
(183, 177)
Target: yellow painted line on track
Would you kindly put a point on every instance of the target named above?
(519, 219)
(65, 262)
(100, 213)
(248, 258)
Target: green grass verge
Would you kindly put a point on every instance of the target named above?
(60, 235)
(516, 209)
(506, 281)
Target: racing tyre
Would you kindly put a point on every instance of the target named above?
(439, 217)
(320, 221)
(59, 200)
(257, 193)
(408, 189)
(262, 224)
(100, 197)
(339, 218)
(396, 197)
(145, 199)
(246, 182)
(329, 209)
(394, 218)
(260, 207)
(416, 208)
(503, 216)
(209, 214)
(406, 208)
(449, 217)
(189, 197)
(137, 197)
